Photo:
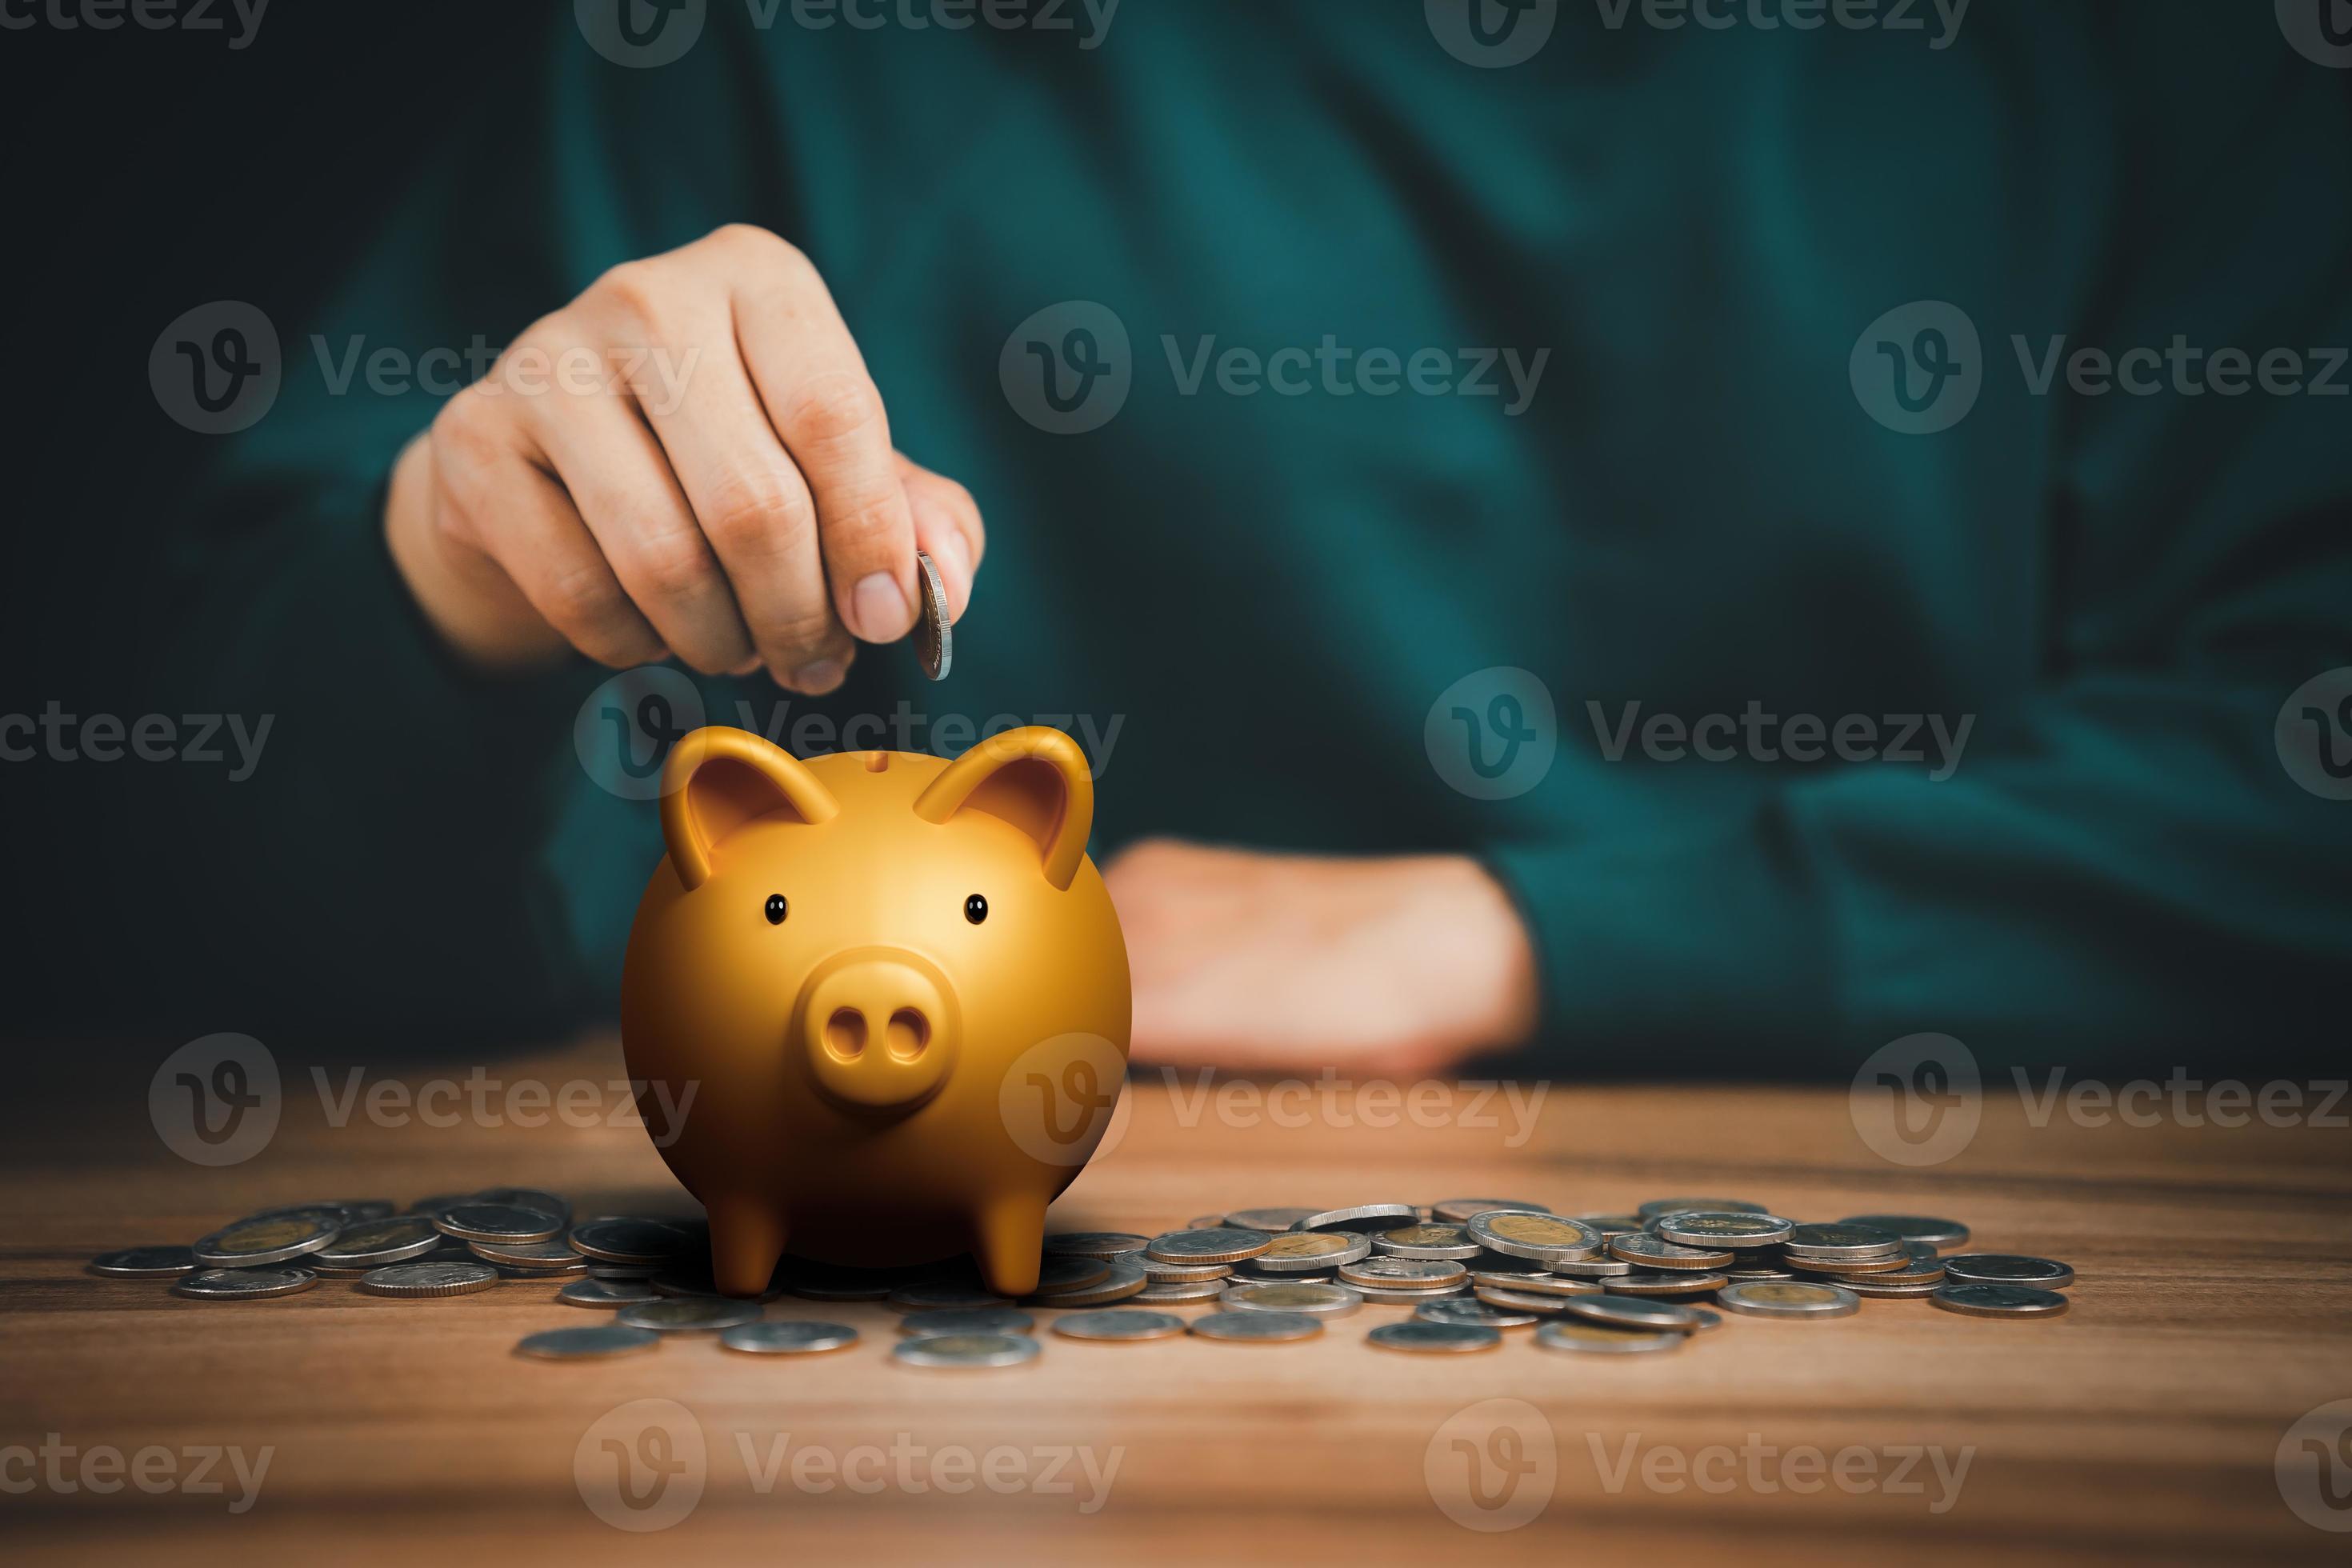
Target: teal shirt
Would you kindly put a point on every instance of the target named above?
(1694, 499)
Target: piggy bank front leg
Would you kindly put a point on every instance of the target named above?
(1008, 1236)
(747, 1238)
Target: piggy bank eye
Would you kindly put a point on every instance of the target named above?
(777, 908)
(975, 909)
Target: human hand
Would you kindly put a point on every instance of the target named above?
(688, 459)
(1397, 966)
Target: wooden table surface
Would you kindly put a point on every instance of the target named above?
(2212, 1311)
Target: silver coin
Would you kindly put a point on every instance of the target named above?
(249, 1244)
(1181, 1273)
(144, 1262)
(592, 1342)
(1520, 1278)
(1541, 1237)
(1224, 1244)
(429, 1277)
(1441, 1241)
(965, 1350)
(1656, 1206)
(1548, 1285)
(334, 1214)
(542, 1255)
(2000, 1300)
(611, 1293)
(1935, 1233)
(1182, 1290)
(918, 1294)
(1423, 1338)
(1409, 1295)
(1707, 1320)
(1126, 1281)
(1502, 1300)
(1256, 1327)
(2006, 1269)
(1657, 1282)
(1574, 1334)
(1263, 1219)
(1243, 1274)
(934, 635)
(371, 1244)
(628, 1239)
(1701, 1228)
(497, 1222)
(1833, 1243)
(1403, 1273)
(795, 1338)
(243, 1284)
(1628, 1312)
(1590, 1267)
(1863, 1285)
(526, 1198)
(1646, 1251)
(1473, 1314)
(967, 1321)
(1313, 1301)
(1462, 1211)
(1118, 1323)
(1310, 1251)
(1361, 1216)
(1097, 1243)
(1065, 1272)
(688, 1314)
(1788, 1298)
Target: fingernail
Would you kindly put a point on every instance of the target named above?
(818, 675)
(881, 607)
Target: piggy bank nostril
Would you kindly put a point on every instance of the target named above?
(845, 1033)
(910, 1033)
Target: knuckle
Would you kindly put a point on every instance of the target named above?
(826, 410)
(638, 291)
(584, 604)
(758, 513)
(792, 639)
(748, 239)
(671, 567)
(466, 433)
(866, 532)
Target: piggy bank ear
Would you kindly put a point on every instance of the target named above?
(1035, 779)
(717, 779)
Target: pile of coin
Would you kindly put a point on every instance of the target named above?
(1471, 1270)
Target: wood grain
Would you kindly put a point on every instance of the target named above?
(2213, 1311)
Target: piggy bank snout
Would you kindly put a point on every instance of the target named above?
(879, 1027)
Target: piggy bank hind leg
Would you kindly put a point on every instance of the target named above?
(747, 1238)
(1008, 1236)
